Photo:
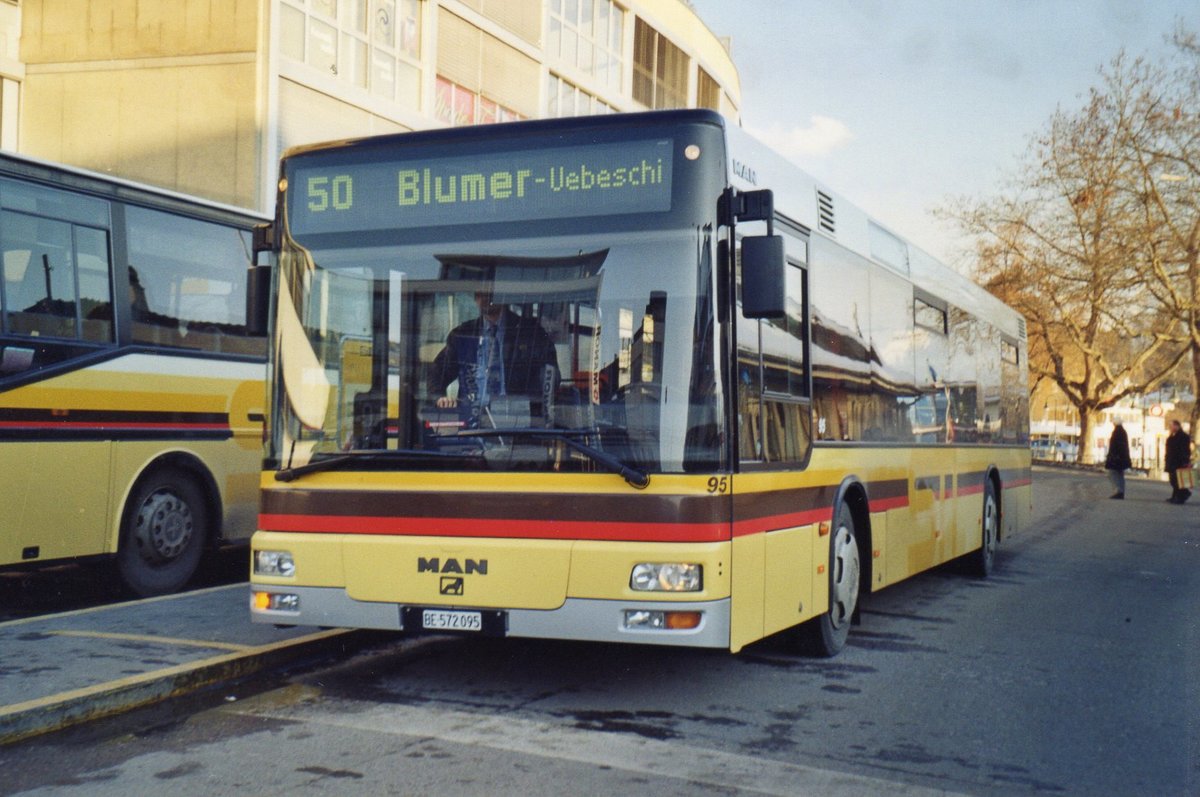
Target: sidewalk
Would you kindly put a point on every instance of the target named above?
(62, 669)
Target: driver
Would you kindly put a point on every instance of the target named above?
(497, 354)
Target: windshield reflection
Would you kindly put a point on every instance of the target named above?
(592, 354)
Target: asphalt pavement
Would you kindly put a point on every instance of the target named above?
(61, 669)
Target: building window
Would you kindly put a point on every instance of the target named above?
(587, 35)
(660, 69)
(373, 45)
(566, 99)
(459, 106)
(708, 91)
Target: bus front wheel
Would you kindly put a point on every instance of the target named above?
(163, 533)
(826, 635)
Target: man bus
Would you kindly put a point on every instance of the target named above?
(763, 404)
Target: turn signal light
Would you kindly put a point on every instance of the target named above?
(681, 621)
(275, 602)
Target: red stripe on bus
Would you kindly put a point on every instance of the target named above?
(884, 504)
(974, 489)
(478, 527)
(758, 525)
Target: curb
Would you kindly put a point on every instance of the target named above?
(56, 712)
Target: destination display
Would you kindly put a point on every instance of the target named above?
(527, 185)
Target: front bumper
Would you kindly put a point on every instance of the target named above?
(576, 619)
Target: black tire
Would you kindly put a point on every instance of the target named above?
(826, 635)
(983, 560)
(163, 533)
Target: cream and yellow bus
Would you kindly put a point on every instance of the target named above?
(131, 390)
(631, 378)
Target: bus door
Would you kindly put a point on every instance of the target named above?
(774, 444)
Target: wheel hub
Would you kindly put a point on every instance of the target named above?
(846, 567)
(164, 526)
(990, 527)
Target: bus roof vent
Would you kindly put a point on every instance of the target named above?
(825, 218)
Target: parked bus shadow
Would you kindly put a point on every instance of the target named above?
(71, 586)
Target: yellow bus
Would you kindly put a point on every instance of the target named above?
(131, 389)
(631, 378)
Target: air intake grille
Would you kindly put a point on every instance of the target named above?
(825, 217)
(1021, 328)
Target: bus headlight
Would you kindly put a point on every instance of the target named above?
(274, 563)
(666, 577)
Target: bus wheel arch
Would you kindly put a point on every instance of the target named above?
(855, 497)
(848, 572)
(169, 519)
(982, 560)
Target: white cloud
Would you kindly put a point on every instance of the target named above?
(821, 137)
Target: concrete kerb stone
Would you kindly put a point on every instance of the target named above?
(59, 711)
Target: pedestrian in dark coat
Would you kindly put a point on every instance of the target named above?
(1178, 456)
(1118, 460)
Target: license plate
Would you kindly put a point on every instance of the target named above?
(434, 620)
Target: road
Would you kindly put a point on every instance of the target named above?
(1075, 670)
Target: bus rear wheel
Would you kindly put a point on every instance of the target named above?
(983, 561)
(826, 635)
(163, 533)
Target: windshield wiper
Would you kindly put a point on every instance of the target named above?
(329, 463)
(635, 476)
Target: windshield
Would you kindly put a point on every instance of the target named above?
(506, 354)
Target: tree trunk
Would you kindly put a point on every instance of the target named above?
(1083, 454)
(1194, 415)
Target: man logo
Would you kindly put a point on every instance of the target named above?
(452, 585)
(465, 567)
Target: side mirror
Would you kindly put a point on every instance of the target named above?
(763, 292)
(258, 281)
(258, 299)
(263, 238)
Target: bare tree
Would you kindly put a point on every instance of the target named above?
(1161, 134)
(1065, 246)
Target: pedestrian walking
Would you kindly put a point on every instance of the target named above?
(1179, 458)
(1118, 460)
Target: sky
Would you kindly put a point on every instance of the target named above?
(902, 105)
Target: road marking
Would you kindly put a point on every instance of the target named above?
(163, 640)
(694, 765)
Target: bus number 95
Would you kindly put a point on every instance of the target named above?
(330, 192)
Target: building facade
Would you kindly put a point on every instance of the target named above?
(202, 96)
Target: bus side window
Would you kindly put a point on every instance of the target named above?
(188, 283)
(95, 292)
(56, 281)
